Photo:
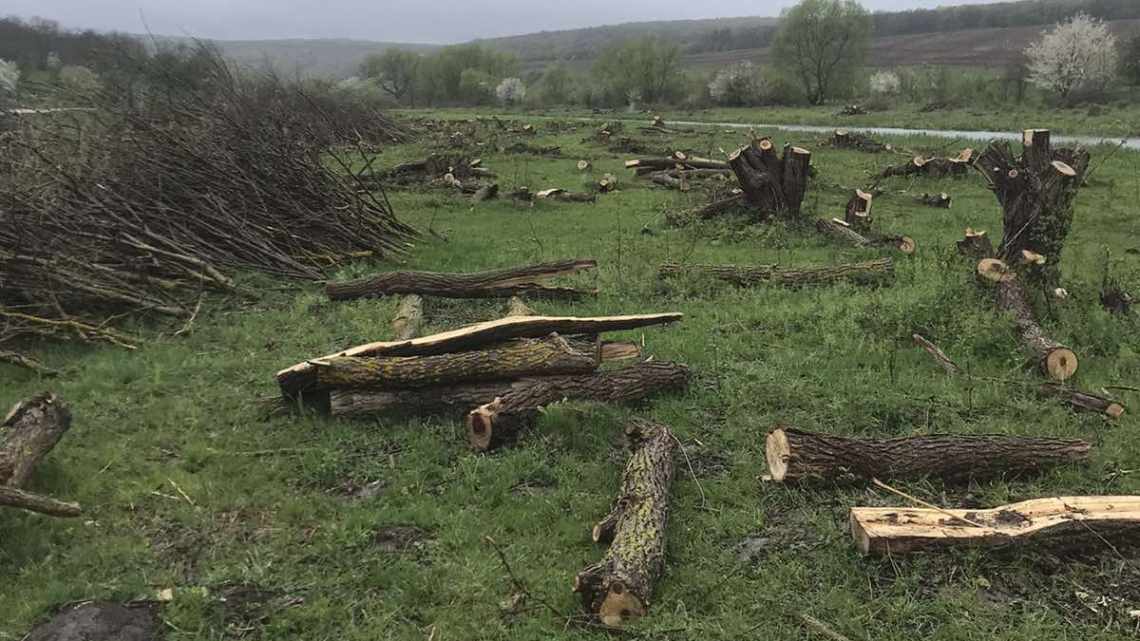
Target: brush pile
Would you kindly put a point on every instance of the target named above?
(138, 209)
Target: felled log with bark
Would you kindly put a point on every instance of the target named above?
(561, 195)
(504, 418)
(678, 160)
(796, 455)
(29, 431)
(933, 167)
(1036, 191)
(845, 139)
(496, 283)
(774, 185)
(1065, 522)
(1083, 400)
(751, 275)
(302, 377)
(619, 588)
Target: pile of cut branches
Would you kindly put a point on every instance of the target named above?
(138, 209)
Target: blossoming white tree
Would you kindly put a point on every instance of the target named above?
(736, 85)
(885, 83)
(1077, 54)
(510, 91)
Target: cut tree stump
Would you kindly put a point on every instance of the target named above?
(517, 358)
(618, 588)
(796, 455)
(496, 283)
(976, 244)
(1036, 193)
(302, 376)
(1066, 522)
(748, 275)
(773, 185)
(504, 418)
(858, 212)
(29, 431)
(409, 317)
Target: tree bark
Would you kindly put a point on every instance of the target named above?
(1036, 194)
(976, 244)
(1066, 522)
(772, 185)
(517, 358)
(618, 588)
(795, 455)
(446, 400)
(409, 317)
(1053, 359)
(858, 212)
(26, 362)
(1083, 400)
(489, 284)
(15, 497)
(302, 376)
(504, 418)
(29, 431)
(749, 275)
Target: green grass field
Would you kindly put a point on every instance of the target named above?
(279, 528)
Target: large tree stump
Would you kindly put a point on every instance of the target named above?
(772, 185)
(619, 587)
(302, 377)
(504, 418)
(1065, 522)
(517, 358)
(29, 431)
(496, 283)
(751, 275)
(795, 455)
(1036, 193)
(858, 211)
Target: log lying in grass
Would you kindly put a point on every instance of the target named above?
(1066, 522)
(772, 184)
(302, 376)
(409, 317)
(618, 588)
(496, 283)
(940, 357)
(516, 358)
(746, 275)
(1083, 400)
(503, 419)
(446, 400)
(29, 431)
(795, 455)
(933, 167)
(26, 362)
(1055, 361)
(844, 139)
(677, 161)
(561, 195)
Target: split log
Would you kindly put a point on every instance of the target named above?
(858, 211)
(26, 362)
(795, 455)
(1066, 522)
(1083, 400)
(302, 376)
(489, 284)
(618, 588)
(675, 162)
(409, 317)
(749, 275)
(1036, 193)
(486, 192)
(941, 200)
(517, 358)
(503, 419)
(772, 185)
(29, 431)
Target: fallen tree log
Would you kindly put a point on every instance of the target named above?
(489, 284)
(796, 455)
(409, 317)
(26, 362)
(1036, 193)
(844, 139)
(933, 167)
(1053, 359)
(773, 185)
(677, 161)
(748, 275)
(504, 418)
(562, 195)
(618, 588)
(1066, 522)
(1083, 400)
(486, 192)
(516, 358)
(29, 431)
(940, 357)
(302, 376)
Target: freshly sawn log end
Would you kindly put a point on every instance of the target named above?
(995, 271)
(1060, 364)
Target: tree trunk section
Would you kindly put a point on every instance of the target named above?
(1083, 400)
(489, 284)
(302, 377)
(772, 185)
(504, 418)
(15, 497)
(795, 455)
(1066, 522)
(29, 431)
(751, 275)
(521, 357)
(1055, 361)
(618, 588)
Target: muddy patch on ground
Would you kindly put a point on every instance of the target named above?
(101, 621)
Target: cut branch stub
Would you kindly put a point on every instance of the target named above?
(618, 588)
(795, 455)
(772, 185)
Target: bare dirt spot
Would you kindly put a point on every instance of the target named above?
(101, 621)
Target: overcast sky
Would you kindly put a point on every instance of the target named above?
(390, 20)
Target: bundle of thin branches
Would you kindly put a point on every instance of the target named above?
(138, 209)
